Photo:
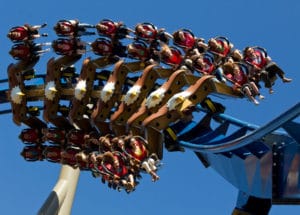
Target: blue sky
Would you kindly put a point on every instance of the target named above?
(185, 185)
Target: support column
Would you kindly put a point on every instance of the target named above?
(60, 200)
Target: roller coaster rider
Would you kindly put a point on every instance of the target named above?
(107, 47)
(150, 34)
(68, 156)
(72, 28)
(184, 38)
(33, 153)
(114, 163)
(31, 135)
(237, 73)
(263, 67)
(113, 30)
(25, 33)
(54, 135)
(52, 153)
(28, 51)
(69, 46)
(136, 148)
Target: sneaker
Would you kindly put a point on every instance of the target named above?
(223, 79)
(255, 102)
(129, 186)
(261, 97)
(271, 91)
(286, 80)
(189, 62)
(155, 178)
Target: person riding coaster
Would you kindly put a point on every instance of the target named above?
(54, 135)
(67, 46)
(75, 137)
(263, 68)
(25, 33)
(52, 153)
(220, 46)
(146, 31)
(105, 47)
(204, 63)
(238, 75)
(84, 160)
(138, 50)
(113, 30)
(114, 163)
(33, 153)
(184, 38)
(72, 28)
(102, 46)
(135, 147)
(31, 136)
(28, 51)
(171, 56)
(98, 170)
(68, 155)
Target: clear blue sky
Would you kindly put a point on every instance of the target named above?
(185, 187)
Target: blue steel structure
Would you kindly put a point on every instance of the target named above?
(261, 162)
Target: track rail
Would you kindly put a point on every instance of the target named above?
(258, 133)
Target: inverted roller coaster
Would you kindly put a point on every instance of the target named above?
(124, 98)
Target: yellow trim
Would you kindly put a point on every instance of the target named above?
(210, 105)
(171, 133)
(102, 77)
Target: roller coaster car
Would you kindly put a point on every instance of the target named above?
(33, 111)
